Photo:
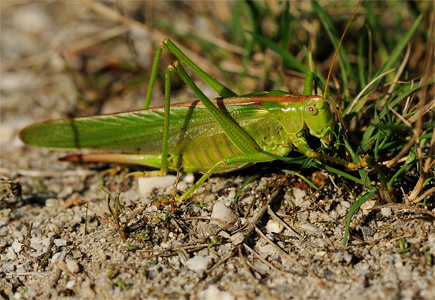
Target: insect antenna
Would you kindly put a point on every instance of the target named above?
(339, 44)
(337, 108)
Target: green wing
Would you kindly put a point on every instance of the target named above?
(134, 132)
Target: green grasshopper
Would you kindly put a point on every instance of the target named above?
(205, 136)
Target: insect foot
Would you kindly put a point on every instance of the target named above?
(352, 166)
(362, 163)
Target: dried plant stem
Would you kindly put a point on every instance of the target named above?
(402, 152)
(287, 256)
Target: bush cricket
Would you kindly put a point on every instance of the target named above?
(205, 136)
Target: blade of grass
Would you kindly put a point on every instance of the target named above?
(242, 187)
(363, 174)
(309, 182)
(400, 45)
(405, 168)
(292, 60)
(352, 211)
(361, 67)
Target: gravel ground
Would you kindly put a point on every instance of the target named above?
(280, 240)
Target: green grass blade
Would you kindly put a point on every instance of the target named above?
(289, 58)
(309, 182)
(343, 174)
(400, 45)
(245, 183)
(363, 174)
(361, 66)
(405, 168)
(352, 211)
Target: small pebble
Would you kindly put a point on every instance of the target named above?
(16, 246)
(347, 257)
(267, 250)
(261, 267)
(10, 255)
(199, 263)
(223, 213)
(321, 253)
(274, 226)
(232, 194)
(237, 238)
(213, 292)
(205, 197)
(174, 261)
(20, 269)
(56, 257)
(310, 228)
(70, 284)
(386, 211)
(189, 178)
(36, 244)
(224, 234)
(147, 184)
(72, 266)
(345, 204)
(299, 195)
(31, 18)
(60, 242)
(8, 267)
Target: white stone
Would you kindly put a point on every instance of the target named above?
(267, 250)
(223, 213)
(36, 243)
(70, 284)
(72, 266)
(345, 204)
(175, 261)
(199, 263)
(182, 186)
(20, 269)
(261, 267)
(205, 197)
(347, 257)
(10, 255)
(213, 292)
(386, 211)
(147, 184)
(224, 234)
(298, 194)
(31, 18)
(310, 228)
(16, 246)
(232, 194)
(274, 226)
(60, 242)
(237, 238)
(56, 257)
(77, 218)
(189, 178)
(321, 253)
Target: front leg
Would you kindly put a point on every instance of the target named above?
(301, 143)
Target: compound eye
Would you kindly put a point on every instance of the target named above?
(312, 110)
